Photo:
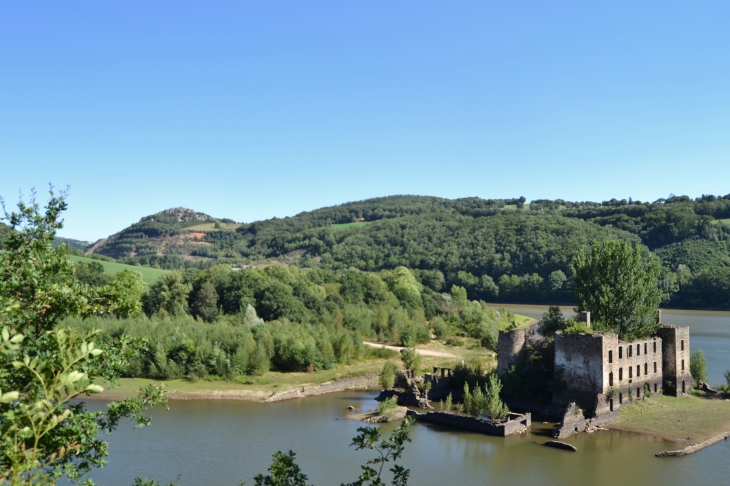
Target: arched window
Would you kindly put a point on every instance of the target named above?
(610, 379)
(631, 372)
(645, 345)
(620, 352)
(620, 374)
(610, 356)
(638, 350)
(646, 369)
(638, 371)
(629, 347)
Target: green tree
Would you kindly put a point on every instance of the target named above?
(556, 280)
(619, 288)
(44, 436)
(91, 273)
(387, 375)
(204, 301)
(552, 321)
(698, 366)
(411, 359)
(170, 294)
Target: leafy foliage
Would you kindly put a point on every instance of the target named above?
(44, 367)
(698, 366)
(618, 286)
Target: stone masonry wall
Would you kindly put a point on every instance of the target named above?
(509, 344)
(675, 341)
(332, 386)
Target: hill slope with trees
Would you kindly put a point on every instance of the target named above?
(499, 250)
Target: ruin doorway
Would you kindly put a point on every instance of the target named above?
(610, 404)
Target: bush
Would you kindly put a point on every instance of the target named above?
(486, 400)
(387, 406)
(411, 359)
(698, 366)
(387, 375)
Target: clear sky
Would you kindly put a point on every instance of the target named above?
(249, 110)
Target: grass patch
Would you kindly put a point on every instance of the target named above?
(726, 222)
(358, 224)
(685, 419)
(149, 275)
(243, 387)
(205, 227)
(514, 206)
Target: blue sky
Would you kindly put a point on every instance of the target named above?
(250, 110)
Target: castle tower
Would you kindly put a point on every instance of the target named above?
(675, 360)
(509, 344)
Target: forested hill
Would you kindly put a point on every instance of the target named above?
(498, 249)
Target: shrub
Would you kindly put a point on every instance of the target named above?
(387, 375)
(698, 366)
(387, 406)
(411, 359)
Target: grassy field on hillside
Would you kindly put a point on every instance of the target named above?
(204, 227)
(358, 224)
(514, 206)
(149, 275)
(685, 419)
(722, 221)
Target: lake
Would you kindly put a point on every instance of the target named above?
(222, 442)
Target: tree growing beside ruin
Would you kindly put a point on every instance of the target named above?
(617, 284)
(698, 366)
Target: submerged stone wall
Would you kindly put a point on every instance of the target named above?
(517, 423)
(329, 387)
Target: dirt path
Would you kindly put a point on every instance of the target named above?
(422, 352)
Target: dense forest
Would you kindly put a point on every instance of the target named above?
(287, 318)
(498, 250)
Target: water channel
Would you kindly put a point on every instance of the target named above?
(221, 442)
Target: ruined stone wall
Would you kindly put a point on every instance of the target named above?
(509, 344)
(676, 354)
(515, 424)
(581, 358)
(602, 373)
(629, 368)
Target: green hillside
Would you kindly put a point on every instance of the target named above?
(498, 249)
(149, 275)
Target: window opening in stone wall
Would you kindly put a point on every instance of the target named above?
(610, 404)
(638, 350)
(655, 346)
(620, 398)
(620, 352)
(645, 345)
(638, 392)
(682, 344)
(610, 356)
(646, 369)
(620, 374)
(655, 388)
(638, 371)
(683, 386)
(629, 348)
(631, 372)
(682, 365)
(610, 379)
(654, 366)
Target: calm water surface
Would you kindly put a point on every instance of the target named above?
(219, 443)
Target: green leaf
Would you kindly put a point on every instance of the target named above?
(9, 397)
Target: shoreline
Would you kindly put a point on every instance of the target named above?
(692, 448)
(366, 382)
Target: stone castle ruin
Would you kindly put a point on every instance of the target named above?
(603, 374)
